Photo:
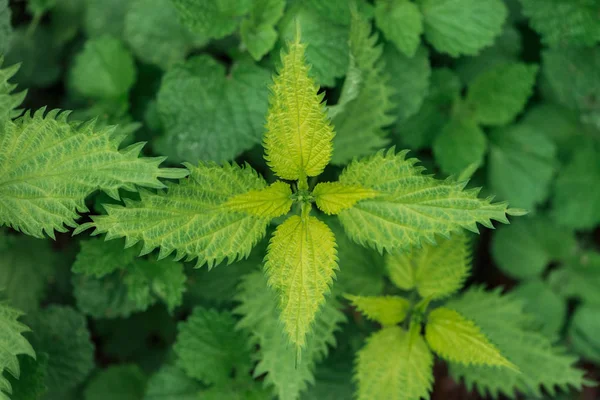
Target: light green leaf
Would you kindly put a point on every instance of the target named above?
(48, 167)
(386, 310)
(301, 263)
(298, 141)
(171, 383)
(258, 28)
(31, 384)
(209, 348)
(462, 27)
(364, 107)
(212, 19)
(401, 23)
(459, 340)
(163, 47)
(526, 247)
(460, 144)
(5, 26)
(120, 382)
(546, 307)
(104, 69)
(12, 343)
(394, 365)
(564, 22)
(541, 365)
(209, 115)
(62, 332)
(522, 164)
(583, 333)
(189, 219)
(9, 99)
(334, 197)
(499, 94)
(272, 202)
(411, 207)
(285, 373)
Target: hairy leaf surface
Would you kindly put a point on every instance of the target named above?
(334, 197)
(387, 310)
(9, 99)
(273, 201)
(211, 18)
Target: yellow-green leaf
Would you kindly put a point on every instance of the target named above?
(401, 270)
(334, 197)
(387, 310)
(458, 339)
(394, 365)
(299, 137)
(300, 263)
(271, 202)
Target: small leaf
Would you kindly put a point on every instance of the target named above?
(460, 144)
(258, 28)
(386, 310)
(583, 333)
(546, 306)
(300, 263)
(171, 383)
(9, 99)
(298, 141)
(457, 339)
(271, 202)
(334, 197)
(394, 364)
(401, 23)
(120, 382)
(212, 19)
(31, 384)
(5, 27)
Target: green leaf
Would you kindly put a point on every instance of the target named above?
(459, 340)
(49, 166)
(522, 164)
(26, 267)
(462, 27)
(547, 308)
(526, 247)
(576, 192)
(190, 219)
(401, 23)
(411, 207)
(285, 373)
(334, 197)
(246, 389)
(436, 270)
(564, 22)
(9, 100)
(386, 310)
(274, 201)
(197, 99)
(365, 105)
(300, 263)
(120, 382)
(394, 364)
(66, 19)
(107, 17)
(170, 383)
(12, 343)
(40, 7)
(209, 348)
(5, 26)
(99, 258)
(408, 78)
(583, 333)
(104, 69)
(460, 144)
(499, 94)
(298, 141)
(541, 365)
(212, 19)
(31, 383)
(579, 278)
(62, 332)
(258, 29)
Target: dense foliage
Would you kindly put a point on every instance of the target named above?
(259, 199)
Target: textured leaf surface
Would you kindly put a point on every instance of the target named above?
(365, 104)
(334, 197)
(12, 343)
(458, 339)
(209, 348)
(211, 19)
(298, 141)
(387, 310)
(564, 22)
(209, 116)
(9, 99)
(460, 144)
(189, 219)
(120, 382)
(500, 93)
(540, 364)
(462, 27)
(98, 258)
(301, 263)
(5, 27)
(401, 23)
(48, 167)
(412, 207)
(31, 384)
(273, 201)
(171, 383)
(103, 69)
(258, 29)
(287, 375)
(522, 164)
(394, 365)
(436, 270)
